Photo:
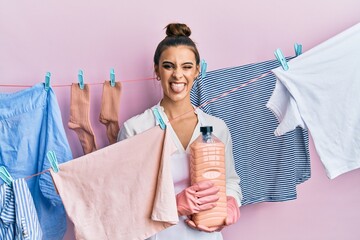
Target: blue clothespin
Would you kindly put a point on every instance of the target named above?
(47, 80)
(81, 79)
(298, 49)
(203, 66)
(280, 57)
(112, 77)
(51, 156)
(5, 176)
(159, 118)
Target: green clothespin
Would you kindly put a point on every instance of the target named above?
(5, 176)
(81, 79)
(203, 67)
(159, 118)
(51, 156)
(47, 80)
(112, 77)
(280, 57)
(298, 49)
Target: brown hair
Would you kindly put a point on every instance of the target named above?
(176, 34)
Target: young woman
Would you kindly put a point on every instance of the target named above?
(176, 63)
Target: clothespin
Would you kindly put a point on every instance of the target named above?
(47, 80)
(112, 77)
(51, 156)
(280, 57)
(159, 118)
(5, 176)
(298, 49)
(81, 79)
(203, 66)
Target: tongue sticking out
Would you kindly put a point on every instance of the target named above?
(177, 87)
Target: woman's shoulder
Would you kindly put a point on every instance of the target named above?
(137, 124)
(211, 120)
(145, 118)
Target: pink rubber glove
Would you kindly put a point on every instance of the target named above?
(198, 197)
(233, 215)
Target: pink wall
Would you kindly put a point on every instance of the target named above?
(65, 36)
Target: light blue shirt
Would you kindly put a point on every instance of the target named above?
(30, 126)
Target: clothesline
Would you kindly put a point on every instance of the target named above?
(69, 85)
(224, 94)
(36, 174)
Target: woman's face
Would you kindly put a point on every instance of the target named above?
(177, 71)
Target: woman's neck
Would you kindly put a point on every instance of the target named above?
(181, 109)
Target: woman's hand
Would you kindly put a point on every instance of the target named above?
(233, 215)
(196, 198)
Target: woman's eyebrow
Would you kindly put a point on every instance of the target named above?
(167, 62)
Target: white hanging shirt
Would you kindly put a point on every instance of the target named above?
(321, 92)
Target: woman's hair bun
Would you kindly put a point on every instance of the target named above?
(177, 30)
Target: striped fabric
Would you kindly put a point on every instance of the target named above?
(17, 213)
(269, 166)
(7, 213)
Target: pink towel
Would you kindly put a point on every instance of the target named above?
(123, 191)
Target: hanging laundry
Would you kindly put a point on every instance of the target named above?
(123, 191)
(17, 213)
(79, 117)
(110, 105)
(269, 167)
(320, 91)
(30, 126)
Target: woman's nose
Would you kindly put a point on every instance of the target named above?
(177, 73)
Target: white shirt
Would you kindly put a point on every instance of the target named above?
(320, 91)
(180, 165)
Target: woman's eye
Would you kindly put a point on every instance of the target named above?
(188, 67)
(167, 66)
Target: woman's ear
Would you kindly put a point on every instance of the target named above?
(156, 68)
(197, 71)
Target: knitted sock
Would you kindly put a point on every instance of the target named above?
(110, 103)
(79, 117)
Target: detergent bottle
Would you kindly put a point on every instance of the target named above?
(207, 162)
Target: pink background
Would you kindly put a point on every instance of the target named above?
(65, 36)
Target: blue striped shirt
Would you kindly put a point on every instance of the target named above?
(269, 167)
(17, 213)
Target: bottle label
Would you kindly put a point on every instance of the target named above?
(211, 174)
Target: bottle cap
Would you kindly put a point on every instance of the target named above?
(206, 129)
